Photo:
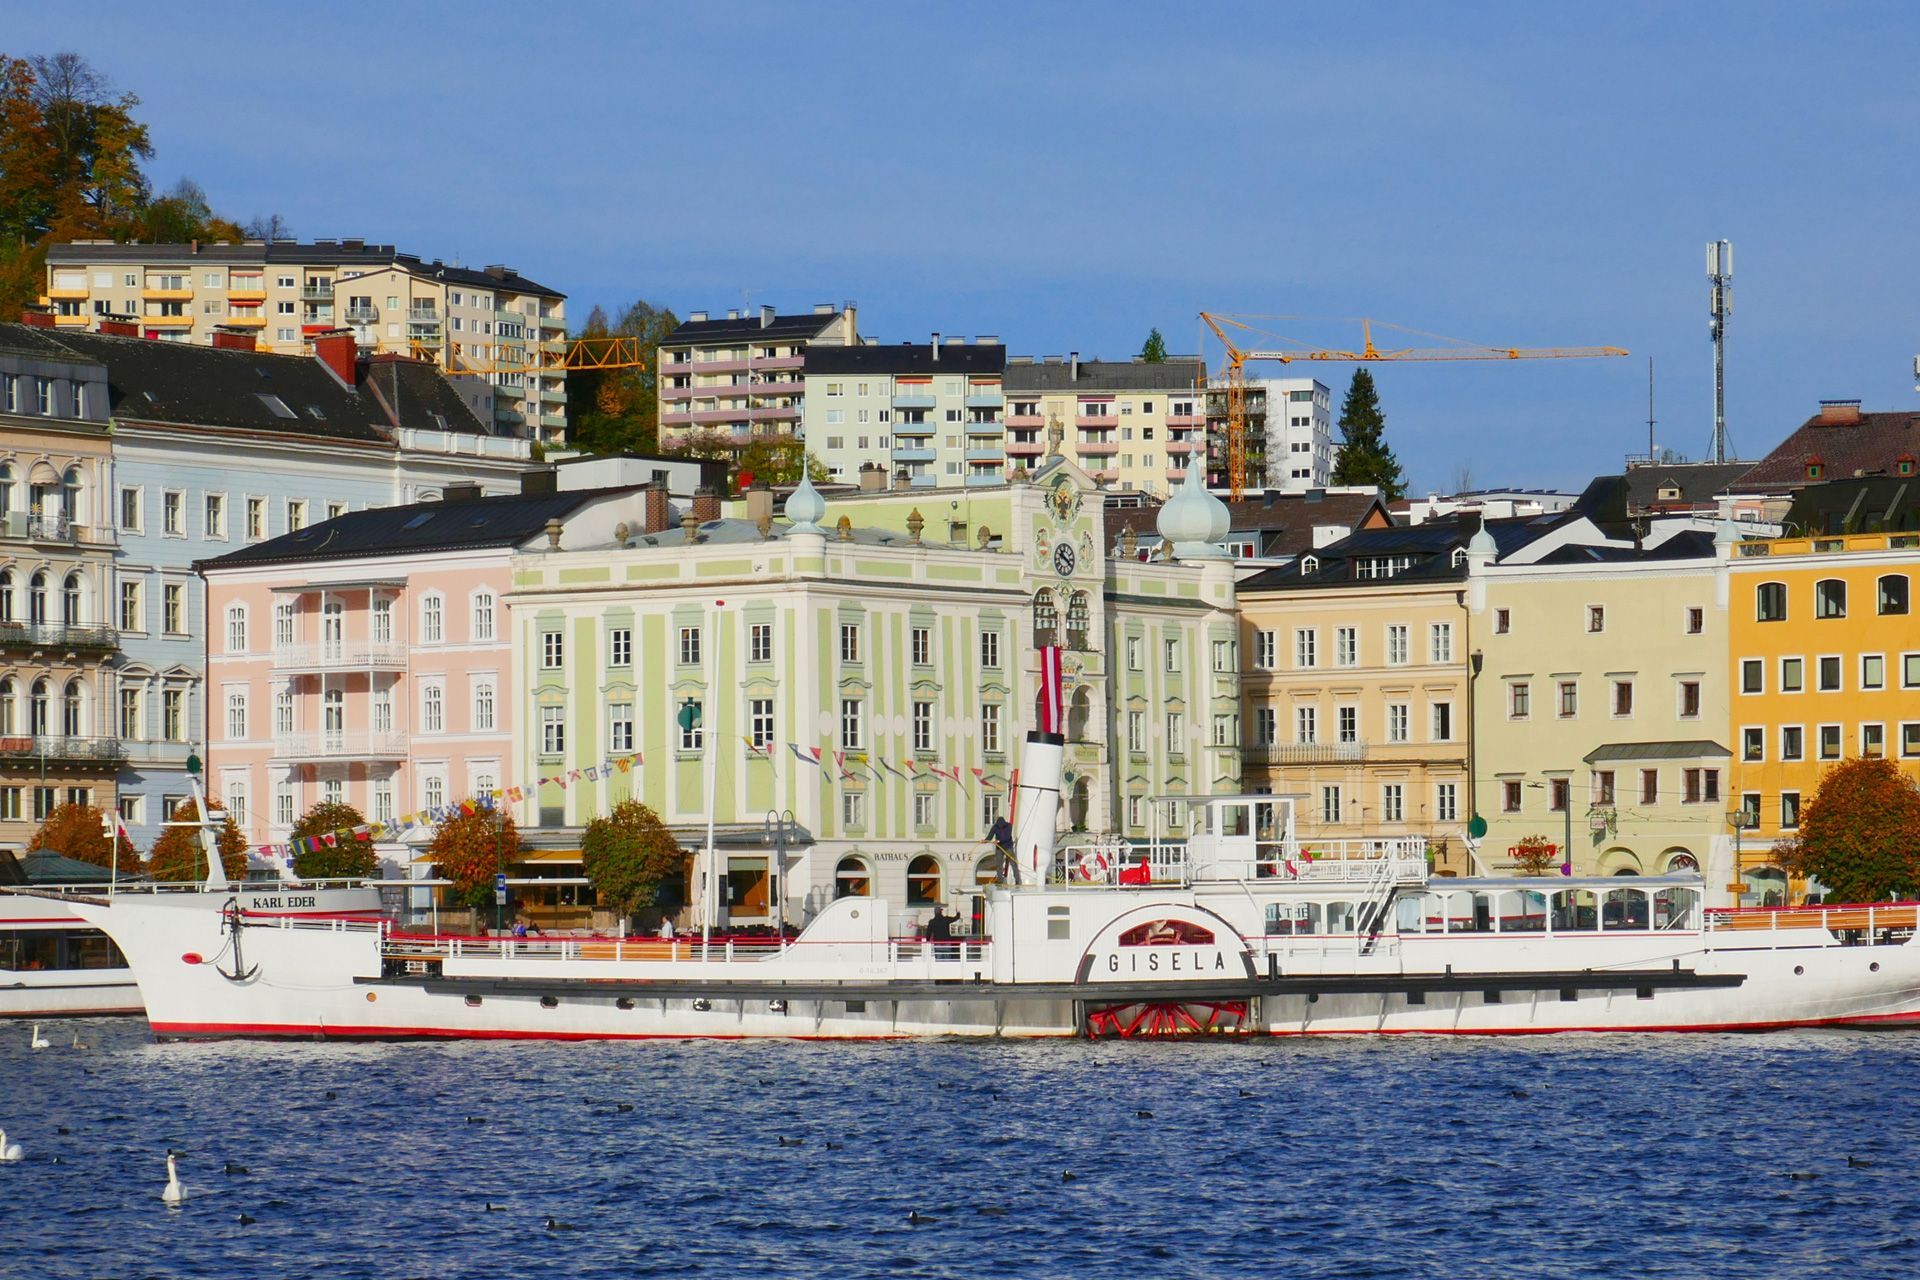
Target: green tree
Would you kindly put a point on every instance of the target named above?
(1860, 834)
(467, 850)
(1364, 455)
(776, 460)
(346, 857)
(627, 854)
(617, 410)
(177, 855)
(183, 214)
(1155, 352)
(74, 831)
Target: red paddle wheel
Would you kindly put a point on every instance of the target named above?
(1145, 1019)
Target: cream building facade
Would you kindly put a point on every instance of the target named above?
(1130, 424)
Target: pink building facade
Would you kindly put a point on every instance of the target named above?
(382, 682)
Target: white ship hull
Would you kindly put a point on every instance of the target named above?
(56, 965)
(324, 978)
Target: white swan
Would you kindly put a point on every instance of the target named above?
(40, 1041)
(174, 1192)
(78, 1043)
(9, 1151)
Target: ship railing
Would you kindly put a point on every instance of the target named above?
(1853, 923)
(1102, 862)
(905, 954)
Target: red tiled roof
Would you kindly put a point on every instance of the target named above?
(1872, 445)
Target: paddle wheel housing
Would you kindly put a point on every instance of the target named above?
(1162, 1019)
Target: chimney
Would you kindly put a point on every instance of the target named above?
(733, 313)
(462, 491)
(873, 477)
(1073, 366)
(706, 504)
(759, 502)
(124, 327)
(1839, 413)
(225, 337)
(659, 512)
(823, 308)
(936, 347)
(499, 271)
(337, 350)
(37, 317)
(696, 317)
(766, 316)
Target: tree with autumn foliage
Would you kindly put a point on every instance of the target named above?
(1860, 834)
(74, 831)
(627, 854)
(617, 410)
(348, 857)
(178, 856)
(469, 850)
(70, 169)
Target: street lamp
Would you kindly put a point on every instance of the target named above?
(778, 820)
(499, 868)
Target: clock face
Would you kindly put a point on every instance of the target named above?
(1063, 559)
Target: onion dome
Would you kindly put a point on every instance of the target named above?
(805, 506)
(1195, 521)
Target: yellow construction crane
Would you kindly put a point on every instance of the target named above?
(1234, 375)
(580, 354)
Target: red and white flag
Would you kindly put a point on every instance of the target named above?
(1053, 695)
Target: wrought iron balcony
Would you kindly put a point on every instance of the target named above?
(58, 635)
(63, 750)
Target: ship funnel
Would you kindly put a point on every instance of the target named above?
(1036, 806)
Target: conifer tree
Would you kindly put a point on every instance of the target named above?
(1364, 455)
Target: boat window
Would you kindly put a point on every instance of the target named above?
(923, 881)
(852, 879)
(1624, 909)
(1419, 914)
(1167, 933)
(1766, 887)
(1676, 909)
(1574, 909)
(29, 950)
(1234, 820)
(1339, 917)
(1469, 912)
(1520, 911)
(1295, 919)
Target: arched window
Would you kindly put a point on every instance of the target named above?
(483, 616)
(1680, 862)
(852, 878)
(37, 708)
(923, 881)
(72, 493)
(1079, 714)
(430, 620)
(1770, 602)
(236, 716)
(1077, 620)
(7, 613)
(1078, 804)
(236, 628)
(9, 708)
(333, 715)
(986, 871)
(37, 599)
(1046, 618)
(72, 602)
(7, 478)
(1893, 593)
(73, 710)
(432, 710)
(1830, 598)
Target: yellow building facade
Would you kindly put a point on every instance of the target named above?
(1825, 666)
(1355, 698)
(1600, 709)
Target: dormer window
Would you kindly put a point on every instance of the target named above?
(1815, 468)
(1670, 493)
(1309, 565)
(1903, 465)
(1459, 556)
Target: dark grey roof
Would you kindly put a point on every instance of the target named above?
(489, 278)
(462, 524)
(1872, 504)
(1284, 523)
(44, 866)
(177, 382)
(749, 328)
(31, 340)
(906, 357)
(1430, 546)
(1175, 373)
(1684, 750)
(412, 393)
(1691, 544)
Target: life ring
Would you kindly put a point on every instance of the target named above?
(1093, 865)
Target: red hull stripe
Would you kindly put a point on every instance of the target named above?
(448, 1033)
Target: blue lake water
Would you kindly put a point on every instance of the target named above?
(1625, 1156)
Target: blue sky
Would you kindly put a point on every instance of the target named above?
(1069, 176)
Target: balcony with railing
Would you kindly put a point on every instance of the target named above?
(914, 454)
(425, 317)
(341, 745)
(913, 428)
(553, 322)
(363, 313)
(1096, 446)
(345, 654)
(71, 752)
(984, 427)
(981, 398)
(316, 293)
(37, 527)
(1278, 753)
(64, 636)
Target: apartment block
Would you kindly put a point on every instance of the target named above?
(509, 332)
(59, 741)
(1131, 424)
(742, 377)
(1825, 667)
(927, 414)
